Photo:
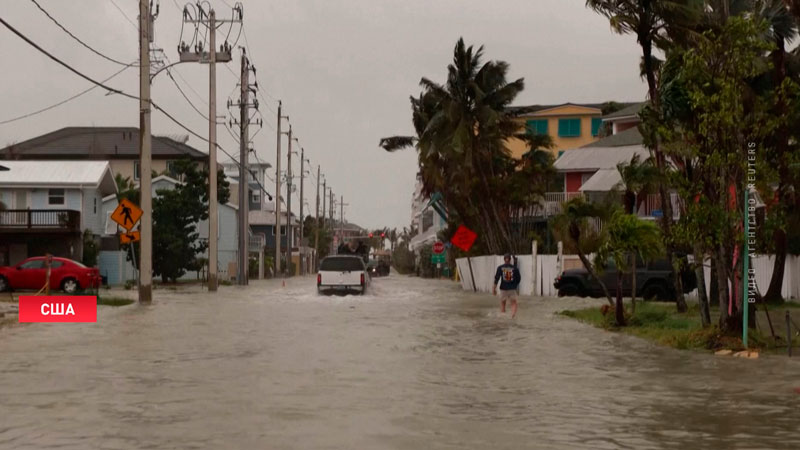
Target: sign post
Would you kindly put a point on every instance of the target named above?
(127, 215)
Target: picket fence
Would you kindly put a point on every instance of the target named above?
(548, 267)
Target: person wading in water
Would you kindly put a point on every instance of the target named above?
(509, 278)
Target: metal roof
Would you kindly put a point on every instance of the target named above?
(602, 181)
(96, 174)
(630, 111)
(631, 136)
(102, 143)
(595, 158)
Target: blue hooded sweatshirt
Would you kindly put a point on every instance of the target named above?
(509, 275)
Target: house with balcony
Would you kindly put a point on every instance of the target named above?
(256, 183)
(45, 207)
(119, 146)
(591, 171)
(425, 220)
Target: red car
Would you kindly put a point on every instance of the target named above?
(65, 274)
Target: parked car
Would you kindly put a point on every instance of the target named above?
(653, 281)
(342, 274)
(65, 274)
(378, 268)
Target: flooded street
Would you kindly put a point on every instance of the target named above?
(415, 364)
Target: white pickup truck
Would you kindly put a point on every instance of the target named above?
(342, 274)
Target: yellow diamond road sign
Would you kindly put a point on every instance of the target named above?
(127, 214)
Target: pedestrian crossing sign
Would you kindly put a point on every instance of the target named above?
(127, 214)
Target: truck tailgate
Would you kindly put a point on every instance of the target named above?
(340, 278)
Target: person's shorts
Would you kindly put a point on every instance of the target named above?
(508, 295)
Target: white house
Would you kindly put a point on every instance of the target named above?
(46, 206)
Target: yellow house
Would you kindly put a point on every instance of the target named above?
(570, 125)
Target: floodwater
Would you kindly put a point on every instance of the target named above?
(417, 364)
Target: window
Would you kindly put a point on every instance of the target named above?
(94, 206)
(34, 264)
(597, 123)
(283, 230)
(342, 264)
(56, 264)
(569, 127)
(136, 170)
(427, 220)
(55, 197)
(255, 196)
(171, 169)
(538, 126)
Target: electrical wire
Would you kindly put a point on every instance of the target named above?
(65, 30)
(85, 91)
(185, 97)
(125, 15)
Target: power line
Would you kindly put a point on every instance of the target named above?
(185, 97)
(85, 91)
(76, 37)
(125, 15)
(70, 68)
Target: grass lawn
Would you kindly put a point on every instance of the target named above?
(660, 323)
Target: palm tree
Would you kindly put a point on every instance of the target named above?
(628, 237)
(461, 131)
(782, 30)
(575, 217)
(639, 178)
(656, 24)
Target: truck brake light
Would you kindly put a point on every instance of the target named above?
(319, 278)
(362, 279)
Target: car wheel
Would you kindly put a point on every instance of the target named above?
(655, 291)
(70, 286)
(3, 284)
(569, 290)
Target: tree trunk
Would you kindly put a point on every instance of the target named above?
(776, 282)
(590, 269)
(666, 204)
(619, 308)
(633, 284)
(702, 295)
(782, 148)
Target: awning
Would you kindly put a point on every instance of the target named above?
(603, 180)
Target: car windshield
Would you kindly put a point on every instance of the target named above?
(341, 264)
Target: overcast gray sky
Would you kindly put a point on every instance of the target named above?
(344, 70)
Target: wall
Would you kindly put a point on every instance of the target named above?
(483, 269)
(518, 147)
(124, 167)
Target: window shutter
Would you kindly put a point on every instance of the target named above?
(596, 124)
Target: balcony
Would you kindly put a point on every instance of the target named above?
(39, 221)
(553, 202)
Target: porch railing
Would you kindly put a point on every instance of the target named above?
(31, 220)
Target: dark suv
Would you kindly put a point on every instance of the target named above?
(653, 280)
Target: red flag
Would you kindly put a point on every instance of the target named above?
(464, 238)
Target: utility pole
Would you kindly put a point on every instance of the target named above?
(244, 169)
(278, 195)
(342, 204)
(289, 202)
(302, 168)
(209, 20)
(145, 156)
(316, 227)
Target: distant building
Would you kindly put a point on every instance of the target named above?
(425, 221)
(117, 145)
(45, 206)
(570, 125)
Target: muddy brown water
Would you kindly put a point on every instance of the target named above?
(417, 364)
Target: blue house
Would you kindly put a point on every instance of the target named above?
(114, 264)
(46, 206)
